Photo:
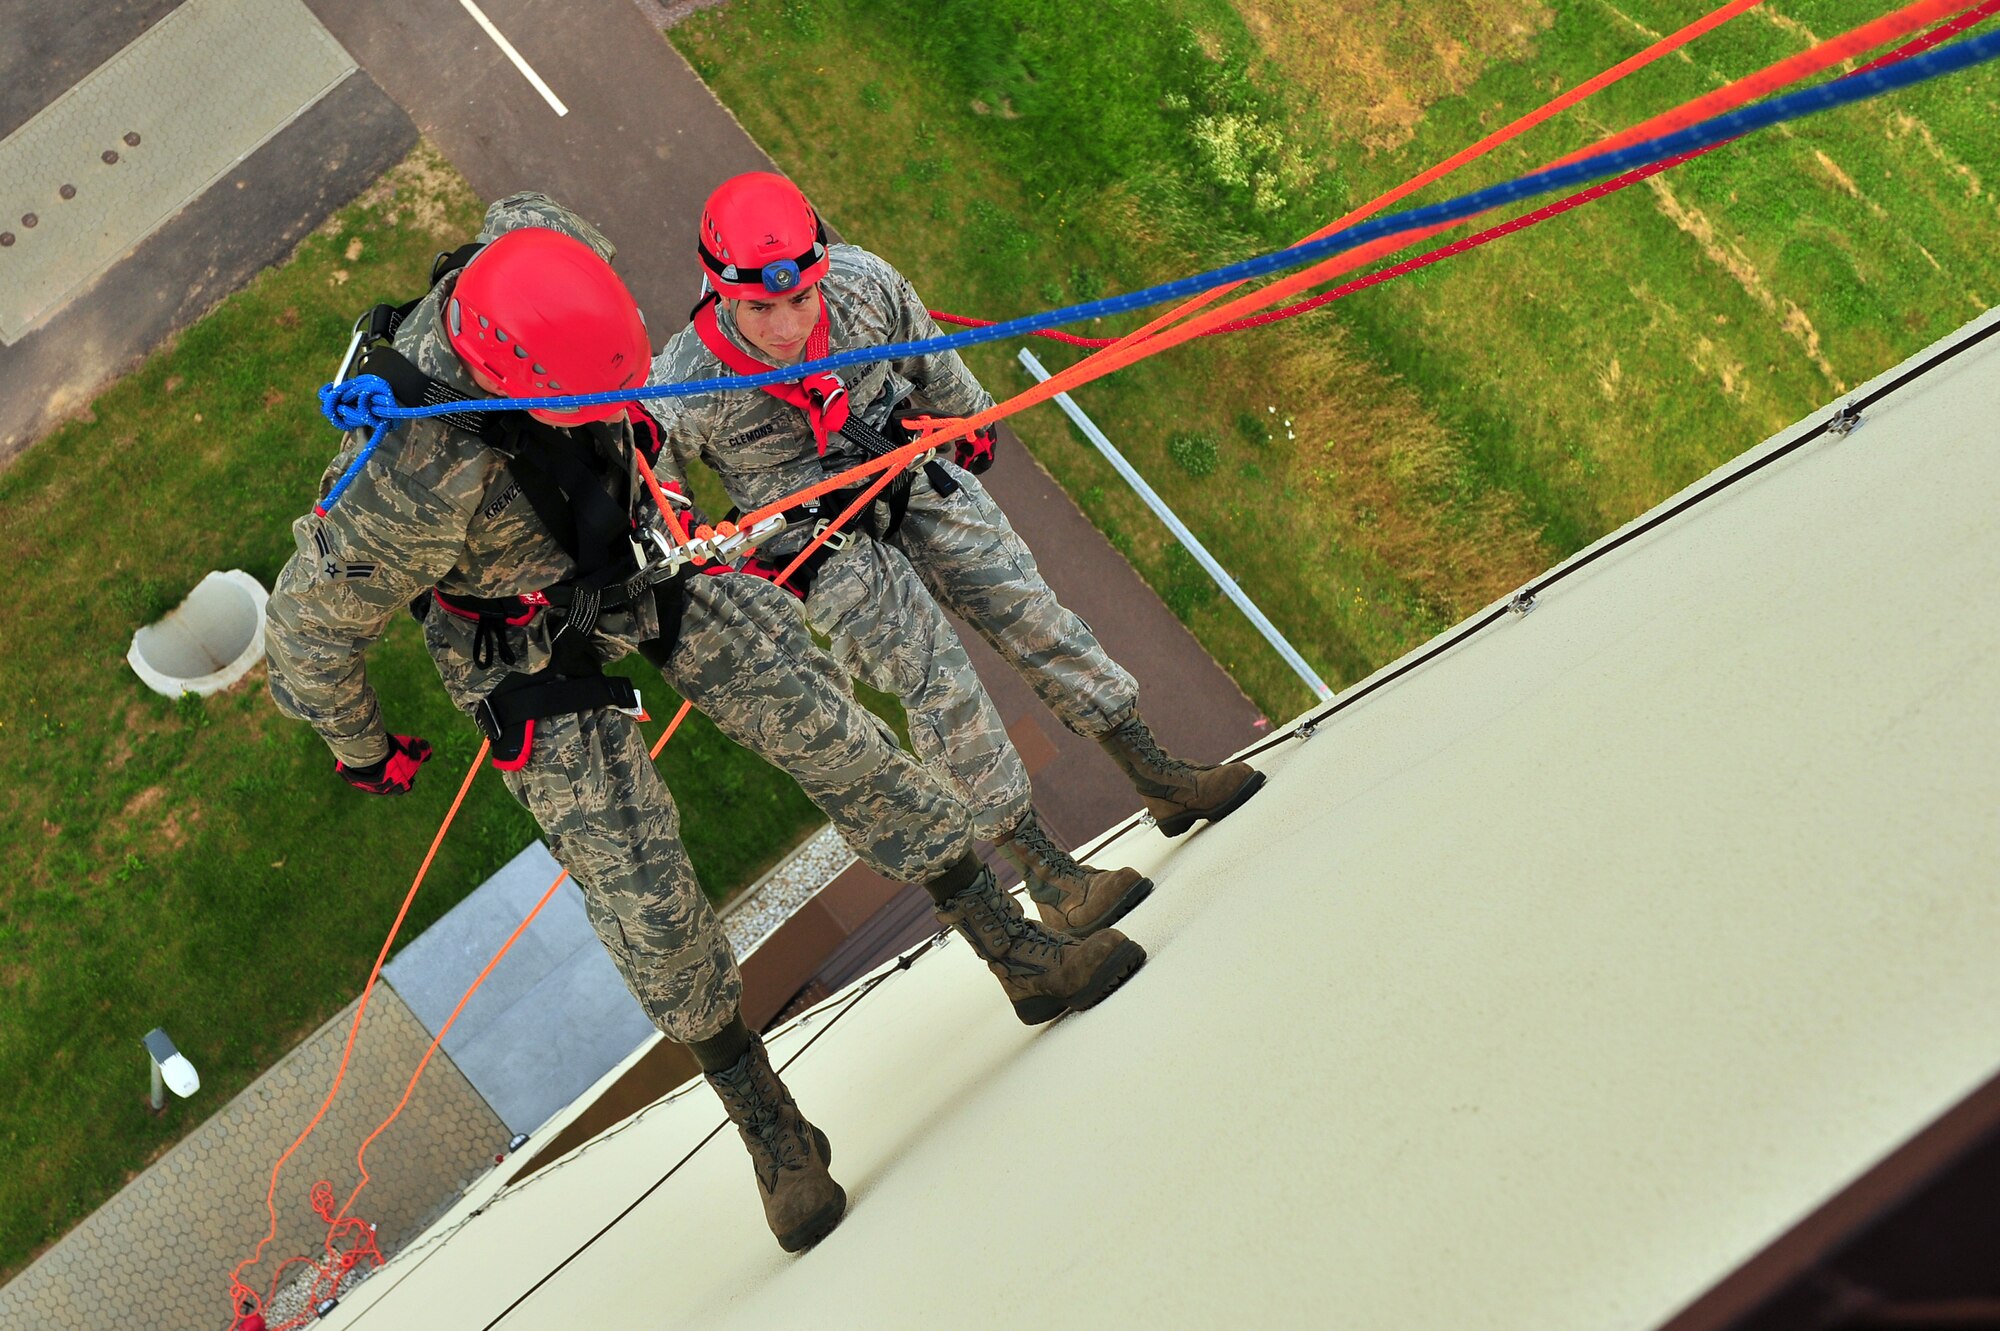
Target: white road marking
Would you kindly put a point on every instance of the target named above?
(527, 70)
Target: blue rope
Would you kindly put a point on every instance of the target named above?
(361, 403)
(365, 401)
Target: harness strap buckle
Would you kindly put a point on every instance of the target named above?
(834, 540)
(488, 720)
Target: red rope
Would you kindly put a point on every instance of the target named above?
(1457, 247)
(1937, 36)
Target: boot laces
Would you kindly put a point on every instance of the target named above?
(760, 1117)
(1025, 936)
(1046, 860)
(1138, 740)
(989, 910)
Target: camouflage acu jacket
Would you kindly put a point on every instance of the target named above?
(764, 449)
(434, 507)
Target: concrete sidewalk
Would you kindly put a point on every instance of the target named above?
(159, 1253)
(156, 157)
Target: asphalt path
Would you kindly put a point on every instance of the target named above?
(642, 144)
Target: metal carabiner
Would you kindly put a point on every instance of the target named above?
(353, 345)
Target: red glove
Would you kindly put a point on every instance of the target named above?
(646, 434)
(395, 773)
(974, 452)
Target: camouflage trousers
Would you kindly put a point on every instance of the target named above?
(744, 658)
(888, 632)
(879, 603)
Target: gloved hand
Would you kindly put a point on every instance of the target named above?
(395, 773)
(974, 452)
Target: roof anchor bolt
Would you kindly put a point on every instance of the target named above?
(1846, 420)
(1307, 729)
(941, 938)
(1523, 603)
(1146, 818)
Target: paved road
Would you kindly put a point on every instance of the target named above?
(641, 146)
(49, 47)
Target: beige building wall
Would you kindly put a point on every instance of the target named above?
(1539, 990)
(159, 1254)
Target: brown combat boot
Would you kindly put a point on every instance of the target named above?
(1178, 794)
(1071, 897)
(1044, 974)
(802, 1203)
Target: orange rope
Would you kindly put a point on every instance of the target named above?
(238, 1289)
(660, 500)
(1806, 63)
(867, 497)
(361, 1155)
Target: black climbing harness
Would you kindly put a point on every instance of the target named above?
(587, 502)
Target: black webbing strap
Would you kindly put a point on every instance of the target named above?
(876, 445)
(383, 320)
(576, 501)
(413, 388)
(504, 713)
(448, 262)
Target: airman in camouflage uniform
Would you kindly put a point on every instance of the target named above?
(877, 597)
(438, 515)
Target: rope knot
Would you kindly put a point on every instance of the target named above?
(361, 403)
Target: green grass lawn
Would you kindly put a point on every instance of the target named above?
(1375, 472)
(198, 865)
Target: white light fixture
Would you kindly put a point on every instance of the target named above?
(170, 1069)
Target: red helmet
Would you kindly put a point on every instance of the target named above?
(759, 237)
(539, 313)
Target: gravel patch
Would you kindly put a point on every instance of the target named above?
(777, 896)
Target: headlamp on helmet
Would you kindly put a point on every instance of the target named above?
(760, 238)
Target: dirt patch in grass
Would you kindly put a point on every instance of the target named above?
(142, 803)
(1375, 67)
(1792, 320)
(422, 192)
